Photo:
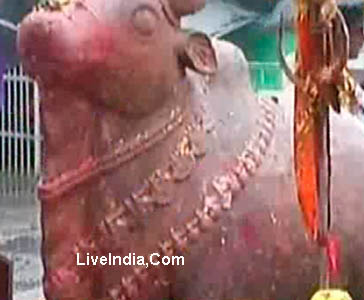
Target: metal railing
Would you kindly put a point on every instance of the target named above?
(20, 137)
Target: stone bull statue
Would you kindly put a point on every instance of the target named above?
(154, 143)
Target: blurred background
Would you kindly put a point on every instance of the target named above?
(252, 25)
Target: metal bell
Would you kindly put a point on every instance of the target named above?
(331, 294)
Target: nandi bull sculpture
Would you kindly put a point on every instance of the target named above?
(156, 145)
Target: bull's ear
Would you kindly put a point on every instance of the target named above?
(198, 54)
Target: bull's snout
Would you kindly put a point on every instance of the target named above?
(38, 41)
(33, 37)
(51, 42)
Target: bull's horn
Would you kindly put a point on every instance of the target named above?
(178, 8)
(186, 7)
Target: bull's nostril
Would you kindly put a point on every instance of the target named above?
(81, 56)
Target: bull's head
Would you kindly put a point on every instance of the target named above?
(130, 54)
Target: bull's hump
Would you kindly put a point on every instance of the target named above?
(230, 106)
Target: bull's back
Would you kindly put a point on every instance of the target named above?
(259, 250)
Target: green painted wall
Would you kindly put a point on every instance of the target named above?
(260, 48)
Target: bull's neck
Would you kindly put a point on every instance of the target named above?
(76, 128)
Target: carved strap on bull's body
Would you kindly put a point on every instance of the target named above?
(216, 197)
(94, 167)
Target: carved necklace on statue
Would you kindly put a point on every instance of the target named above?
(124, 152)
(217, 196)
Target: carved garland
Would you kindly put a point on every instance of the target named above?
(217, 194)
(217, 197)
(123, 153)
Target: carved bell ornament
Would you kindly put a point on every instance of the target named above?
(331, 294)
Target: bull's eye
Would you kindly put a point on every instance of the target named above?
(145, 20)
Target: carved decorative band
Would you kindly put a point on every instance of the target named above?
(94, 167)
